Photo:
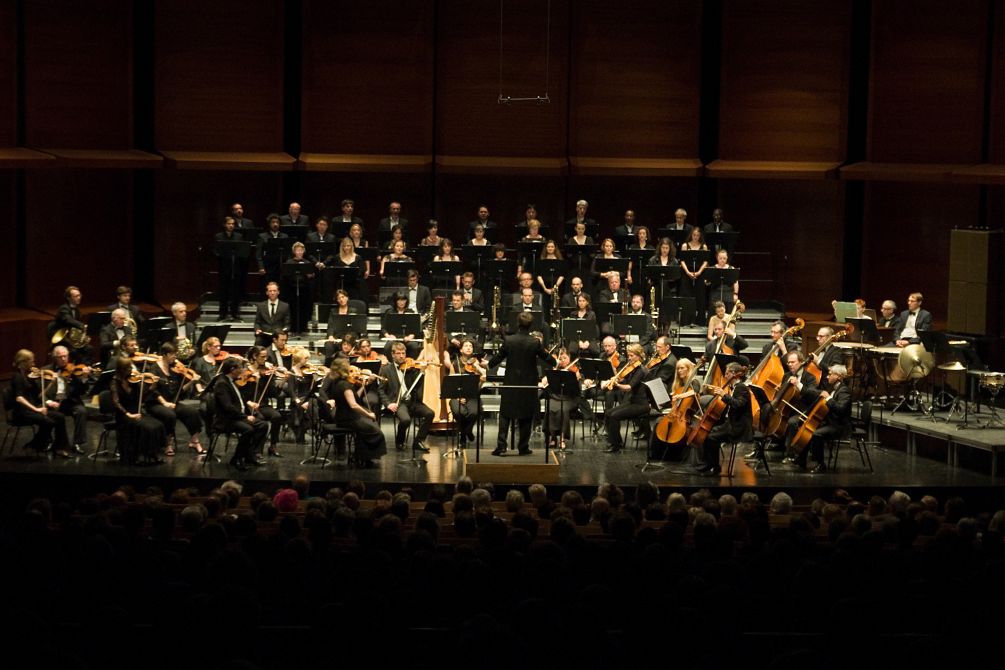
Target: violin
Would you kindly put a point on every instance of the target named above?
(615, 360)
(620, 377)
(76, 370)
(185, 371)
(412, 364)
(143, 358)
(656, 360)
(247, 376)
(358, 376)
(142, 377)
(38, 373)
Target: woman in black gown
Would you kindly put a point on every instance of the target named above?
(142, 436)
(26, 390)
(348, 258)
(338, 402)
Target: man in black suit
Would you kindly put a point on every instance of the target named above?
(718, 225)
(124, 300)
(66, 395)
(888, 317)
(269, 258)
(271, 316)
(837, 423)
(183, 328)
(738, 423)
(483, 219)
(419, 297)
(806, 395)
(830, 355)
(230, 414)
(614, 291)
(320, 232)
(294, 217)
(398, 400)
(779, 344)
(913, 320)
(237, 212)
(667, 366)
(521, 353)
(113, 332)
(734, 342)
(628, 227)
(570, 298)
(680, 221)
(581, 207)
(67, 317)
(387, 224)
(343, 222)
(231, 273)
(472, 295)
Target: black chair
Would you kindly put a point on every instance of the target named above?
(758, 441)
(106, 417)
(859, 438)
(331, 435)
(13, 425)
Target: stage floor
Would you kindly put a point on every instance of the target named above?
(904, 459)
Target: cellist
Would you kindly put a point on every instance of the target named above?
(806, 394)
(738, 422)
(837, 422)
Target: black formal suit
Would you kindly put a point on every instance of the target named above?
(229, 414)
(837, 423)
(386, 225)
(473, 298)
(737, 344)
(723, 228)
(790, 346)
(423, 298)
(187, 329)
(302, 220)
(271, 261)
(831, 356)
(269, 324)
(622, 231)
(893, 322)
(664, 371)
(738, 425)
(606, 295)
(243, 222)
(231, 273)
(569, 299)
(409, 406)
(521, 353)
(314, 238)
(923, 321)
(341, 228)
(109, 337)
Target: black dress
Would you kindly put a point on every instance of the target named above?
(301, 389)
(52, 421)
(356, 288)
(370, 442)
(137, 438)
(298, 291)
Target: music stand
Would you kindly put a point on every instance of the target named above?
(622, 242)
(528, 252)
(294, 232)
(295, 274)
(340, 324)
(342, 274)
(694, 258)
(680, 351)
(658, 394)
(218, 331)
(674, 235)
(368, 254)
(500, 272)
(638, 259)
(446, 271)
(475, 258)
(458, 386)
(604, 310)
(609, 264)
(536, 324)
(403, 325)
(468, 323)
(575, 330)
(722, 277)
(275, 251)
(597, 369)
(396, 272)
(230, 253)
(550, 270)
(96, 321)
(725, 241)
(865, 329)
(578, 256)
(661, 276)
(636, 325)
(561, 384)
(322, 252)
(683, 308)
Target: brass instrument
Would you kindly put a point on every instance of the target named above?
(556, 313)
(76, 337)
(496, 301)
(186, 349)
(654, 311)
(131, 323)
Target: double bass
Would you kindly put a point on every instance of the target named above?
(769, 375)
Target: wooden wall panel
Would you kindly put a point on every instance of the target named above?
(996, 139)
(8, 74)
(906, 239)
(927, 81)
(79, 231)
(78, 64)
(784, 80)
(8, 232)
(219, 75)
(188, 212)
(800, 223)
(368, 77)
(634, 89)
(469, 121)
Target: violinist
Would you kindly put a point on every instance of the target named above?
(143, 434)
(338, 402)
(465, 410)
(26, 388)
(346, 349)
(208, 364)
(806, 389)
(366, 352)
(231, 414)
(738, 422)
(258, 384)
(177, 383)
(663, 363)
(402, 397)
(279, 352)
(560, 407)
(592, 389)
(635, 402)
(836, 424)
(301, 387)
(67, 391)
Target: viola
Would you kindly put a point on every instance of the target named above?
(143, 358)
(185, 371)
(656, 360)
(247, 376)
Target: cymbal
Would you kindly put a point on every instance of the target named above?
(953, 367)
(915, 361)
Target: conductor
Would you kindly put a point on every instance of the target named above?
(520, 404)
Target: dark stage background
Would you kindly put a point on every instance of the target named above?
(846, 138)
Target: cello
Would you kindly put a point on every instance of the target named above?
(769, 375)
(673, 426)
(811, 422)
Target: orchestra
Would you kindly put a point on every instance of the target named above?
(162, 383)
